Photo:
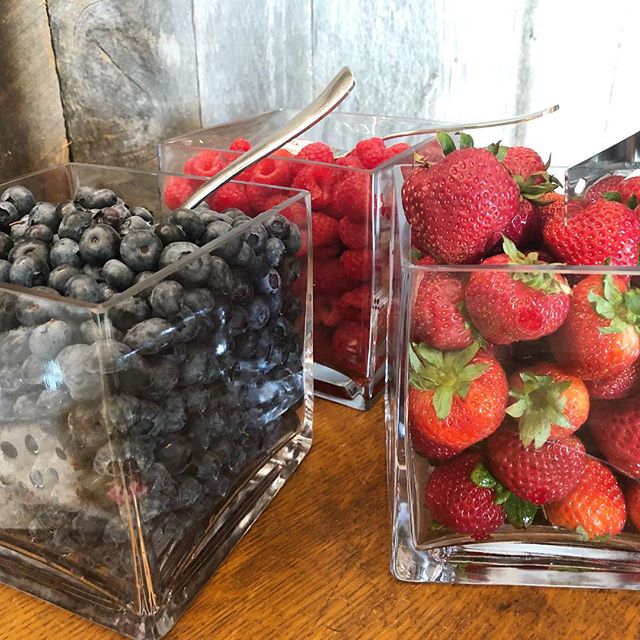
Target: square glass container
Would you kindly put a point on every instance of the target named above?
(133, 460)
(540, 554)
(350, 312)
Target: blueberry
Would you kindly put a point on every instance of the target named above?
(65, 252)
(91, 331)
(150, 336)
(59, 277)
(221, 279)
(220, 312)
(271, 283)
(275, 302)
(52, 401)
(274, 250)
(257, 312)
(112, 216)
(216, 230)
(31, 247)
(234, 213)
(194, 272)
(20, 197)
(141, 250)
(106, 291)
(164, 377)
(242, 288)
(99, 244)
(108, 356)
(134, 223)
(20, 228)
(260, 266)
(293, 241)
(173, 415)
(128, 313)
(14, 346)
(45, 213)
(189, 221)
(6, 244)
(244, 257)
(166, 299)
(199, 300)
(83, 287)
(277, 226)
(31, 310)
(174, 455)
(141, 277)
(95, 198)
(5, 269)
(187, 324)
(238, 321)
(245, 345)
(25, 407)
(117, 274)
(195, 367)
(207, 216)
(94, 272)
(65, 209)
(33, 371)
(8, 214)
(40, 232)
(74, 225)
(82, 385)
(143, 213)
(29, 271)
(169, 233)
(240, 220)
(48, 339)
(197, 398)
(290, 270)
(256, 237)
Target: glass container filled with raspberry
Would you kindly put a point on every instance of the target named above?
(513, 391)
(346, 167)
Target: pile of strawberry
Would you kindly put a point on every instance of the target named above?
(341, 225)
(524, 390)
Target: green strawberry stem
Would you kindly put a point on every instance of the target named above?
(498, 150)
(520, 513)
(615, 196)
(540, 280)
(622, 309)
(531, 189)
(447, 373)
(448, 145)
(539, 405)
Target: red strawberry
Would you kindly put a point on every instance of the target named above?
(351, 344)
(456, 398)
(524, 162)
(438, 316)
(352, 197)
(354, 235)
(318, 180)
(608, 183)
(508, 307)
(615, 427)
(325, 229)
(176, 191)
(628, 188)
(598, 232)
(358, 264)
(615, 387)
(632, 495)
(329, 277)
(595, 506)
(525, 229)
(599, 338)
(430, 449)
(371, 152)
(458, 207)
(550, 404)
(356, 304)
(541, 475)
(456, 502)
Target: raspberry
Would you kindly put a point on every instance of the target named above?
(352, 197)
(326, 310)
(354, 235)
(240, 144)
(229, 196)
(316, 152)
(329, 277)
(324, 253)
(296, 212)
(395, 149)
(356, 304)
(358, 264)
(351, 344)
(325, 229)
(371, 152)
(318, 180)
(523, 161)
(273, 170)
(176, 191)
(350, 160)
(205, 163)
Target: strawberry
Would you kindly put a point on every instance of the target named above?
(459, 504)
(358, 264)
(602, 186)
(350, 344)
(594, 507)
(458, 207)
(632, 494)
(538, 475)
(430, 449)
(507, 307)
(615, 387)
(550, 404)
(629, 190)
(524, 162)
(600, 231)
(599, 338)
(615, 427)
(324, 228)
(525, 228)
(354, 235)
(456, 398)
(438, 315)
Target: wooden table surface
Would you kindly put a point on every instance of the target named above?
(315, 565)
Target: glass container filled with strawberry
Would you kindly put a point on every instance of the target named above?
(513, 380)
(347, 169)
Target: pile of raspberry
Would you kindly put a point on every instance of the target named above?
(341, 224)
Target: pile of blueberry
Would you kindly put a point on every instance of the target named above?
(184, 388)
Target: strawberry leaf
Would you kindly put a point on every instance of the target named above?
(612, 196)
(481, 477)
(466, 141)
(446, 142)
(520, 513)
(442, 401)
(582, 533)
(632, 202)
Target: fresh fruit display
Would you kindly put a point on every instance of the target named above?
(140, 415)
(349, 216)
(519, 365)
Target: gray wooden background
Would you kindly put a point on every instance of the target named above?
(104, 80)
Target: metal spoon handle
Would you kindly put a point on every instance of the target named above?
(525, 117)
(333, 94)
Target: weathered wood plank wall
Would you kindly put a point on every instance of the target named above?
(133, 71)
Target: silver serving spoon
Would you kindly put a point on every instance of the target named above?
(332, 95)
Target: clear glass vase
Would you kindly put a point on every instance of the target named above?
(133, 458)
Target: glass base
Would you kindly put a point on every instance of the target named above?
(335, 386)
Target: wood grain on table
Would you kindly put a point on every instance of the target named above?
(315, 565)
